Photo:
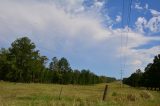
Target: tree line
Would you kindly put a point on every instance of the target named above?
(150, 78)
(23, 63)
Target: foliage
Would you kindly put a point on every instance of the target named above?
(150, 78)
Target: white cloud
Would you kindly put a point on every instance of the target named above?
(137, 6)
(146, 6)
(118, 18)
(98, 3)
(48, 17)
(155, 13)
(78, 10)
(67, 5)
(145, 56)
(137, 62)
(140, 24)
(154, 24)
(136, 58)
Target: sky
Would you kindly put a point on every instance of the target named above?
(104, 36)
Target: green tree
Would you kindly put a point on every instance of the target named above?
(135, 79)
(5, 66)
(27, 60)
(64, 70)
(150, 78)
(53, 66)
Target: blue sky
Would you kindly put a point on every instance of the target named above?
(87, 32)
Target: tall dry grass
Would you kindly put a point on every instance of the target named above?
(21, 94)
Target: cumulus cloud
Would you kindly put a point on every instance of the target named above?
(140, 24)
(66, 29)
(153, 24)
(140, 8)
(137, 6)
(99, 3)
(155, 13)
(118, 18)
(135, 58)
(146, 54)
(50, 19)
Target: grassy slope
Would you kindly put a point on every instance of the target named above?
(19, 94)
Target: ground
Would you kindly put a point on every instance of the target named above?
(23, 94)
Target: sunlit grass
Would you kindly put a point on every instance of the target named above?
(20, 94)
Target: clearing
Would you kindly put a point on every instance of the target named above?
(35, 94)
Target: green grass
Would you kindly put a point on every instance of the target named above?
(21, 94)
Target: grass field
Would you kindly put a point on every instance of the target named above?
(20, 94)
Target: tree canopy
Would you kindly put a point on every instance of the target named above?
(150, 78)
